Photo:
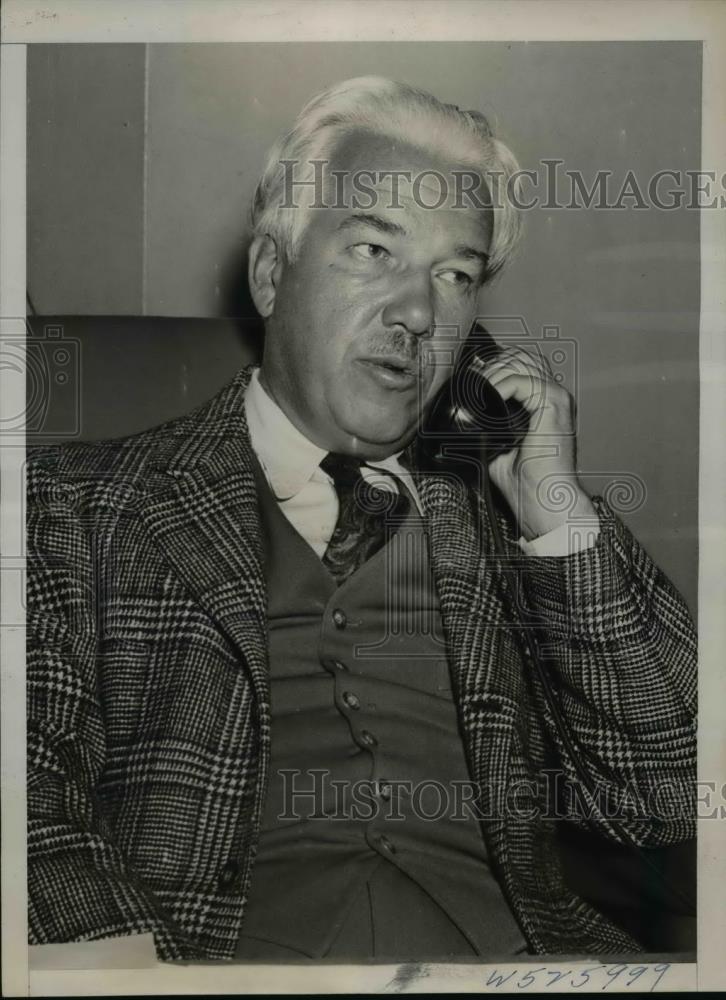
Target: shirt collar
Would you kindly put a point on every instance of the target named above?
(287, 456)
(289, 459)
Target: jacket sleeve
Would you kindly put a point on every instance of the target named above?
(621, 650)
(80, 886)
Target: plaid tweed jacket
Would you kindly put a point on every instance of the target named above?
(148, 694)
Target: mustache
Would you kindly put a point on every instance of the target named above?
(404, 345)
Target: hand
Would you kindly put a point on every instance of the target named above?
(547, 452)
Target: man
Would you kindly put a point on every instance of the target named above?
(265, 639)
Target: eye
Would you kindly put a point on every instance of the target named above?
(370, 251)
(459, 278)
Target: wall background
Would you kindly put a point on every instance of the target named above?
(142, 161)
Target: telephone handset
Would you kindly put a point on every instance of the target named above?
(468, 423)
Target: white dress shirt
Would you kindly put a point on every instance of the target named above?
(307, 497)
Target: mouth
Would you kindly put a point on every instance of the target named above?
(391, 371)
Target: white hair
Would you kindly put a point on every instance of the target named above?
(385, 108)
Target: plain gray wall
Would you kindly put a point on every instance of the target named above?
(142, 160)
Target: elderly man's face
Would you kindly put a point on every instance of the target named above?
(363, 328)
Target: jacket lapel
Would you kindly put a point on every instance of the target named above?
(459, 543)
(205, 521)
(488, 691)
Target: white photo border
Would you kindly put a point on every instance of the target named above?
(24, 22)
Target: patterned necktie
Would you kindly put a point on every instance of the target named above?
(366, 513)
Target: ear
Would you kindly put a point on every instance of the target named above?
(263, 273)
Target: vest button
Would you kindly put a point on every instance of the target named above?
(227, 874)
(351, 700)
(368, 738)
(383, 789)
(339, 618)
(336, 665)
(387, 845)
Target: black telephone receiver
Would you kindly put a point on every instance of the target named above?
(468, 423)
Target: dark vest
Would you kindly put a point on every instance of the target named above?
(367, 847)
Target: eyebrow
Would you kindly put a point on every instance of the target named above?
(376, 222)
(470, 253)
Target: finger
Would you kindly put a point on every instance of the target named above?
(518, 363)
(528, 356)
(501, 370)
(531, 376)
(532, 393)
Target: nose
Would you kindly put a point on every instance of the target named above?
(411, 305)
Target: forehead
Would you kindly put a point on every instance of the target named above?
(406, 180)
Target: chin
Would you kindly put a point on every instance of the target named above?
(375, 426)
(378, 442)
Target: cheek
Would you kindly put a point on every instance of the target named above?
(342, 322)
